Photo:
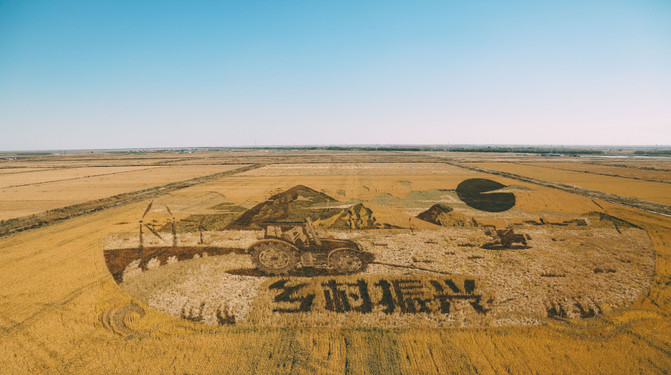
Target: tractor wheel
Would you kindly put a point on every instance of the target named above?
(347, 261)
(274, 257)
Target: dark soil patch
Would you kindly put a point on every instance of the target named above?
(357, 217)
(474, 192)
(293, 205)
(118, 259)
(503, 247)
(432, 214)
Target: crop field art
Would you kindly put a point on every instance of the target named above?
(329, 262)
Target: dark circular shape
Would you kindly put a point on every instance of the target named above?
(473, 192)
(347, 261)
(274, 257)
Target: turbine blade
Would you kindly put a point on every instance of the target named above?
(147, 209)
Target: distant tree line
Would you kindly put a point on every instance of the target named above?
(653, 152)
(443, 148)
(532, 150)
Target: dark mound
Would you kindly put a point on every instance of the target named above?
(356, 217)
(443, 215)
(474, 192)
(292, 205)
(433, 214)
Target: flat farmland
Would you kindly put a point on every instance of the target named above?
(657, 192)
(368, 180)
(51, 175)
(41, 191)
(17, 170)
(656, 163)
(97, 159)
(63, 311)
(615, 171)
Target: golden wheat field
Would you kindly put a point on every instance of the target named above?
(647, 190)
(610, 170)
(433, 268)
(33, 192)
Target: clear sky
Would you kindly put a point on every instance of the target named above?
(116, 74)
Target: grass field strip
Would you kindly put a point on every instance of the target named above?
(651, 207)
(10, 226)
(593, 172)
(74, 178)
(630, 166)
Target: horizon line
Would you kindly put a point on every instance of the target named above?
(354, 146)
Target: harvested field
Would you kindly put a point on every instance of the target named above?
(18, 170)
(30, 199)
(588, 293)
(649, 191)
(661, 164)
(67, 174)
(606, 170)
(356, 169)
(83, 161)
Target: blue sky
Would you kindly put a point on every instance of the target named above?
(116, 74)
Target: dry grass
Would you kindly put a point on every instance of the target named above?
(62, 312)
(649, 191)
(18, 170)
(26, 200)
(50, 175)
(635, 173)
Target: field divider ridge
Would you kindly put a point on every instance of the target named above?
(590, 172)
(74, 178)
(19, 224)
(656, 208)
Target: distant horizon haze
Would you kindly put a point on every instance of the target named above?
(558, 148)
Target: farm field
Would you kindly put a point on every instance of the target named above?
(17, 170)
(620, 171)
(41, 191)
(163, 285)
(50, 175)
(87, 160)
(657, 163)
(657, 192)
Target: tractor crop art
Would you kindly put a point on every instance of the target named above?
(334, 262)
(335, 187)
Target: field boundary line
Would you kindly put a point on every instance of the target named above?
(19, 224)
(37, 169)
(74, 178)
(629, 166)
(656, 208)
(590, 172)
